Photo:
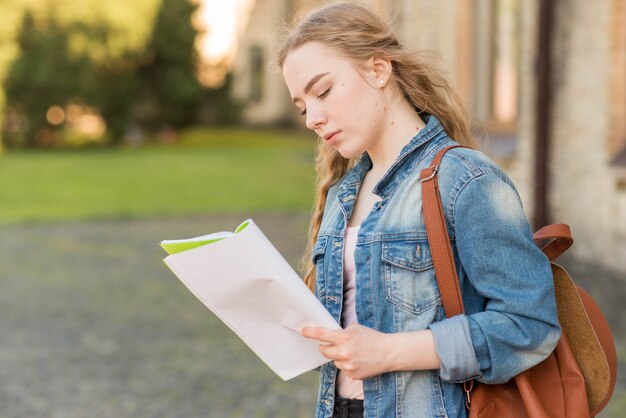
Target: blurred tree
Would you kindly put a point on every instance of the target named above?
(101, 34)
(113, 83)
(218, 107)
(43, 76)
(169, 91)
(102, 55)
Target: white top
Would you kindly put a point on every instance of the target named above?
(347, 387)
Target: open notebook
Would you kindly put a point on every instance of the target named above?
(243, 279)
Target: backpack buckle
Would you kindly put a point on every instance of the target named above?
(434, 173)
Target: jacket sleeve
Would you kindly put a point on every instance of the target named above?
(518, 327)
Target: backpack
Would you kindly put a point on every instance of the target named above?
(577, 379)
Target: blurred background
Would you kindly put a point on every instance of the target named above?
(125, 123)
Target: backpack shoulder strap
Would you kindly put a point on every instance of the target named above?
(438, 238)
(560, 238)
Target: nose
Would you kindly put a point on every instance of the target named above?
(315, 118)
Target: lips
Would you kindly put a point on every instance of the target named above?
(330, 135)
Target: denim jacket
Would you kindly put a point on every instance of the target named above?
(510, 321)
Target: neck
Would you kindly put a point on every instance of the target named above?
(399, 124)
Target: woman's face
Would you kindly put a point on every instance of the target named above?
(341, 104)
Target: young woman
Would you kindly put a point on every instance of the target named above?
(381, 113)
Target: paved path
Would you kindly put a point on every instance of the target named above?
(94, 325)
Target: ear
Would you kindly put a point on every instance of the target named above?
(381, 70)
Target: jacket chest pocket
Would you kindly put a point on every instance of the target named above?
(410, 281)
(317, 256)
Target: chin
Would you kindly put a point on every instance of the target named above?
(349, 153)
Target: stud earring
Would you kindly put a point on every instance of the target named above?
(381, 82)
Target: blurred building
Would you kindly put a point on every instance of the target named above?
(544, 79)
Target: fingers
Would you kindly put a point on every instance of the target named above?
(333, 352)
(326, 335)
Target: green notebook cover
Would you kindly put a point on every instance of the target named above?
(173, 246)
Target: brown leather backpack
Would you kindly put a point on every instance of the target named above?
(578, 378)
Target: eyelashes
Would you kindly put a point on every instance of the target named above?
(321, 96)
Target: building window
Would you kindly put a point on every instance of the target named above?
(505, 64)
(496, 79)
(257, 73)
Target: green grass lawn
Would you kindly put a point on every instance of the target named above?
(207, 171)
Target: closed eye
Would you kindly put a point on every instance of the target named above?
(321, 96)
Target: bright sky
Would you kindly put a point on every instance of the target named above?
(223, 19)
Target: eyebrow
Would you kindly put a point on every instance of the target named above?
(310, 84)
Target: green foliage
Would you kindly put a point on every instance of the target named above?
(216, 171)
(90, 53)
(44, 75)
(218, 107)
(169, 92)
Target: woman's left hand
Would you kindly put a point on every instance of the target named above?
(358, 351)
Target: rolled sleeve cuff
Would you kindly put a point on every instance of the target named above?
(453, 344)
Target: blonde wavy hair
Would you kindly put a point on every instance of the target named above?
(358, 33)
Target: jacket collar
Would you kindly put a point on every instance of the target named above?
(390, 180)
